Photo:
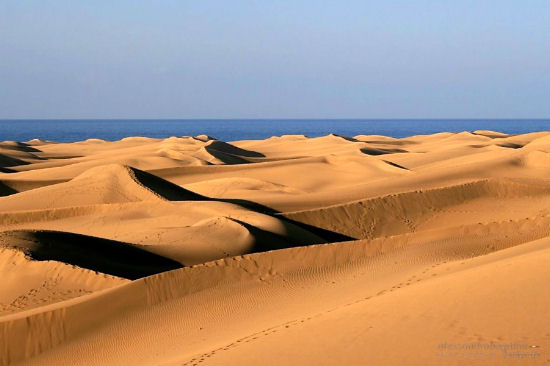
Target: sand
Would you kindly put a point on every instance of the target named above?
(335, 250)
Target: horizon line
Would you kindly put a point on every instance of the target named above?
(282, 119)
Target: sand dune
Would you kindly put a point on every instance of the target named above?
(103, 184)
(333, 250)
(307, 282)
(27, 283)
(406, 212)
(99, 255)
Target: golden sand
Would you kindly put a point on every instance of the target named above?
(369, 250)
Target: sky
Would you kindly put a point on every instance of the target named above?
(275, 59)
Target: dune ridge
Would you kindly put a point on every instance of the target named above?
(374, 217)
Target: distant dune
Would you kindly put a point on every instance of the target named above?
(336, 250)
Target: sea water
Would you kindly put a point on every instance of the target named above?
(249, 129)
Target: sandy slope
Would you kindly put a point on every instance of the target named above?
(191, 250)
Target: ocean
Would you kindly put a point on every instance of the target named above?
(248, 129)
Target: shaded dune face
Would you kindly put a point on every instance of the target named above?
(162, 187)
(6, 190)
(97, 254)
(331, 250)
(6, 161)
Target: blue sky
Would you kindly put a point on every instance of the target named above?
(275, 59)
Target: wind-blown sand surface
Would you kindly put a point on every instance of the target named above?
(364, 250)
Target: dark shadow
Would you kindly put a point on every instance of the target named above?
(395, 164)
(6, 190)
(164, 188)
(492, 134)
(226, 158)
(510, 145)
(390, 142)
(97, 254)
(233, 150)
(351, 139)
(381, 151)
(327, 235)
(230, 154)
(19, 146)
(8, 161)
